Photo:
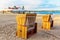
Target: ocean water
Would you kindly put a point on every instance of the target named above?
(48, 12)
(39, 12)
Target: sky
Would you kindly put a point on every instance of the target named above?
(31, 4)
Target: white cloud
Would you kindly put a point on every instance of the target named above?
(31, 4)
(3, 3)
(27, 3)
(36, 4)
(54, 2)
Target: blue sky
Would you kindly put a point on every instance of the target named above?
(31, 4)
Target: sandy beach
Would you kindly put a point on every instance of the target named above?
(8, 28)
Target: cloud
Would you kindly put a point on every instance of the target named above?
(54, 2)
(40, 4)
(31, 4)
(51, 3)
(3, 3)
(27, 3)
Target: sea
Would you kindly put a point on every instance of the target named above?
(48, 12)
(40, 12)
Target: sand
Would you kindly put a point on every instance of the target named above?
(8, 28)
